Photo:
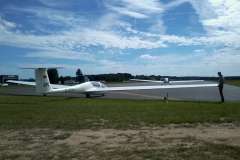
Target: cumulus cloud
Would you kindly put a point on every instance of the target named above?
(218, 15)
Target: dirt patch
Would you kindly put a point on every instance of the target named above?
(47, 143)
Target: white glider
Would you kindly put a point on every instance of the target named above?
(165, 81)
(44, 87)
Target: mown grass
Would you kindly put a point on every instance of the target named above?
(15, 87)
(20, 112)
(35, 112)
(233, 82)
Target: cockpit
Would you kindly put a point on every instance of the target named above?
(165, 80)
(98, 84)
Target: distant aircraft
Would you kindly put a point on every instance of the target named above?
(4, 84)
(44, 87)
(165, 81)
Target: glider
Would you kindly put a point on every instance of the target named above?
(44, 87)
(4, 84)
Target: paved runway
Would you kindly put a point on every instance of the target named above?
(209, 94)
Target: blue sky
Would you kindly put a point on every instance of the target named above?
(141, 37)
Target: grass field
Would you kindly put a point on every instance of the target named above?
(233, 82)
(35, 127)
(16, 87)
(20, 112)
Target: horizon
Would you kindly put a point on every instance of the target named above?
(162, 76)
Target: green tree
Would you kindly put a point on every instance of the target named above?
(79, 76)
(61, 79)
(53, 76)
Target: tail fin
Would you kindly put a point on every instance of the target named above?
(42, 81)
(43, 85)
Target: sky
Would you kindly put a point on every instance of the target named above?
(140, 37)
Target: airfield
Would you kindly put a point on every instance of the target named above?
(204, 94)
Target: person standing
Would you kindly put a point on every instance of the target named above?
(220, 85)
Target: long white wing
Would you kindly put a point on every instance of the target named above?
(141, 80)
(186, 81)
(106, 89)
(55, 86)
(148, 87)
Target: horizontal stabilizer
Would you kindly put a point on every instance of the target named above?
(23, 82)
(42, 67)
(54, 86)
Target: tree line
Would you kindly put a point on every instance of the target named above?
(119, 77)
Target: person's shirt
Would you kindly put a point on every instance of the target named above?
(221, 80)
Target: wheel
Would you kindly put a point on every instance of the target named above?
(88, 95)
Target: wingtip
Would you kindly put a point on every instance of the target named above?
(42, 67)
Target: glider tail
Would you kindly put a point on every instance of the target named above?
(43, 85)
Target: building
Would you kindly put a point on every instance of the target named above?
(4, 78)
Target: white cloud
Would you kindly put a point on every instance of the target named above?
(158, 27)
(109, 20)
(59, 3)
(199, 50)
(147, 56)
(59, 54)
(125, 11)
(7, 25)
(135, 8)
(226, 56)
(150, 6)
(216, 15)
(173, 4)
(124, 53)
